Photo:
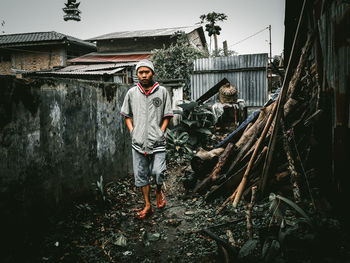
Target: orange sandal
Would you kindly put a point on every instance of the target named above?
(142, 214)
(161, 203)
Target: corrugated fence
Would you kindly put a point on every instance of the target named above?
(246, 72)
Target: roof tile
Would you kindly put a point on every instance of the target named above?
(35, 37)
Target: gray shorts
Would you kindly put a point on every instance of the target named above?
(146, 166)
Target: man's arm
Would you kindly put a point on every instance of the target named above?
(165, 123)
(129, 124)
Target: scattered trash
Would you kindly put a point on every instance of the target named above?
(153, 236)
(127, 253)
(121, 241)
(87, 225)
(188, 213)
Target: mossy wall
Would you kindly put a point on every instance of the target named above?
(57, 137)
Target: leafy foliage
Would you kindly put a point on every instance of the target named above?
(221, 53)
(176, 61)
(277, 211)
(212, 28)
(178, 140)
(212, 18)
(198, 121)
(101, 190)
(193, 130)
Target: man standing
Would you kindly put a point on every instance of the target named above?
(147, 111)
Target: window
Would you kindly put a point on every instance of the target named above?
(5, 57)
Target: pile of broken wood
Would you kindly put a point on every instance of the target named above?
(262, 155)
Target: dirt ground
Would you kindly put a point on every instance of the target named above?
(109, 231)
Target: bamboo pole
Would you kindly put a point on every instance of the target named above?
(248, 210)
(283, 92)
(256, 163)
(262, 136)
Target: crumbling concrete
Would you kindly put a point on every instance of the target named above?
(57, 137)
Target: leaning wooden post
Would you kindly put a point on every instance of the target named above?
(281, 102)
(248, 210)
(241, 186)
(294, 175)
(216, 170)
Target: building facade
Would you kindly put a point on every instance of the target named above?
(37, 51)
(122, 50)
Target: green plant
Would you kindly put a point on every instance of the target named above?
(212, 28)
(178, 140)
(277, 210)
(197, 121)
(221, 53)
(101, 189)
(192, 132)
(83, 207)
(289, 226)
(176, 61)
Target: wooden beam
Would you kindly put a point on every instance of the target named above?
(281, 102)
(212, 91)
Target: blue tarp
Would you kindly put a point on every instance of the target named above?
(247, 120)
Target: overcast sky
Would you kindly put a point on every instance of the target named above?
(245, 18)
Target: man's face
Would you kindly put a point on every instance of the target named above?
(145, 76)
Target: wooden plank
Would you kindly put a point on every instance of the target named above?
(230, 70)
(212, 91)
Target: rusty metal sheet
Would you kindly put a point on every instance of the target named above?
(246, 72)
(145, 33)
(95, 57)
(72, 73)
(94, 67)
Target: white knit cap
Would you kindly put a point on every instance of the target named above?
(145, 63)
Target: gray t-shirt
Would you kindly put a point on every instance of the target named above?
(147, 110)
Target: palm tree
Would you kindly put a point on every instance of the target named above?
(212, 28)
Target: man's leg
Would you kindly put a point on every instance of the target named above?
(140, 167)
(146, 197)
(157, 168)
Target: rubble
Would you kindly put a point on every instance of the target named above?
(240, 166)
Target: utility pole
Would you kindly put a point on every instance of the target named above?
(270, 43)
(225, 48)
(270, 65)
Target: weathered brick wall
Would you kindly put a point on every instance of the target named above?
(5, 67)
(34, 60)
(57, 137)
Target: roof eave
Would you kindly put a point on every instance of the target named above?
(135, 37)
(46, 43)
(30, 44)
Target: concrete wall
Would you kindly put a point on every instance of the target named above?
(57, 136)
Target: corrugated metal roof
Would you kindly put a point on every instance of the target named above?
(336, 60)
(94, 67)
(246, 72)
(100, 57)
(72, 73)
(37, 37)
(146, 33)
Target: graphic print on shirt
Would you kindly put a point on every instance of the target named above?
(157, 102)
